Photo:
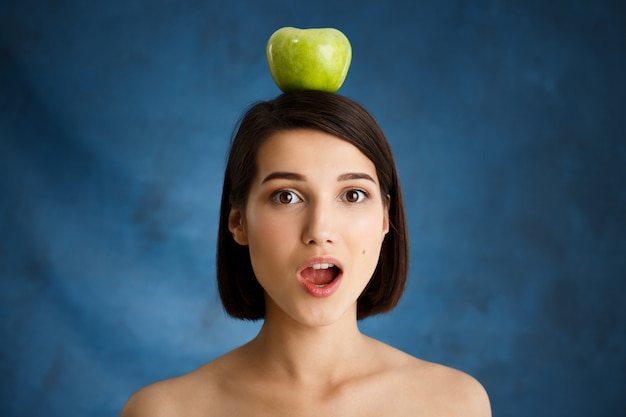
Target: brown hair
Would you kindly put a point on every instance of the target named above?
(241, 294)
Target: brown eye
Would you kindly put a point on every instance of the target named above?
(285, 197)
(354, 196)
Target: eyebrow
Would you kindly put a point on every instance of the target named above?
(284, 176)
(298, 177)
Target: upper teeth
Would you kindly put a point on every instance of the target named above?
(322, 266)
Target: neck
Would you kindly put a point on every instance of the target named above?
(308, 354)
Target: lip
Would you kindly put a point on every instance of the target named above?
(315, 290)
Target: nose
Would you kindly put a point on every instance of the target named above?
(318, 225)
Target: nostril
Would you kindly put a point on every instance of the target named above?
(319, 226)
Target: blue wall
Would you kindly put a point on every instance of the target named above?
(508, 121)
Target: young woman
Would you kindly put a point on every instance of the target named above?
(312, 238)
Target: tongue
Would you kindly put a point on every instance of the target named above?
(319, 276)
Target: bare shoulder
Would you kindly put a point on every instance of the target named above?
(451, 392)
(437, 389)
(154, 400)
(463, 393)
(192, 394)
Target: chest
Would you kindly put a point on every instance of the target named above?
(346, 401)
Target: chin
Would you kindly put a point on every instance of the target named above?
(323, 317)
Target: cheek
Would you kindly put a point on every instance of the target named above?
(369, 234)
(264, 244)
(267, 232)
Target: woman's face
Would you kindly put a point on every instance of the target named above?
(314, 223)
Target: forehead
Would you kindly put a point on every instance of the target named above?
(312, 150)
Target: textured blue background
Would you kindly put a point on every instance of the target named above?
(508, 120)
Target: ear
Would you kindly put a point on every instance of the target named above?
(236, 226)
(386, 216)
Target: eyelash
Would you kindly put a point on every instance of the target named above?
(276, 196)
(362, 195)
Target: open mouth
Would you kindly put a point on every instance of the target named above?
(321, 274)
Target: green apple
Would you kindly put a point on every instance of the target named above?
(309, 59)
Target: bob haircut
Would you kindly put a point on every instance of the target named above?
(241, 294)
